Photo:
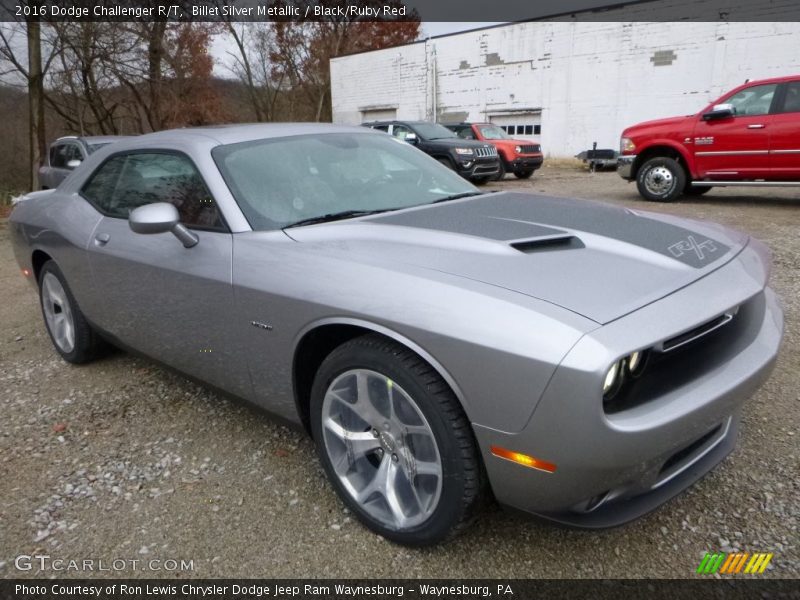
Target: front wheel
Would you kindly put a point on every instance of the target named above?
(661, 179)
(523, 173)
(395, 442)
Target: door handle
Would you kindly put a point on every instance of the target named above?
(101, 239)
(756, 126)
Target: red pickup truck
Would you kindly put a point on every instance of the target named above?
(521, 157)
(749, 137)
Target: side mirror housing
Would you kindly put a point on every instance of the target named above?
(73, 163)
(720, 111)
(161, 217)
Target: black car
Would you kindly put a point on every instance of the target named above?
(473, 160)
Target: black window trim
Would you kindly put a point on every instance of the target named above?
(225, 227)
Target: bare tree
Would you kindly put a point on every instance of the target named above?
(32, 70)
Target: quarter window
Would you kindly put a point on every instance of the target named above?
(753, 101)
(126, 182)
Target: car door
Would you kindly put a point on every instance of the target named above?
(169, 302)
(784, 140)
(737, 147)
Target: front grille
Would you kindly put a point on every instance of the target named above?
(530, 149)
(484, 152)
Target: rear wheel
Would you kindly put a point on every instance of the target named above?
(395, 442)
(523, 174)
(72, 336)
(661, 179)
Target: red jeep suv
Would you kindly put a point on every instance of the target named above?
(750, 137)
(521, 157)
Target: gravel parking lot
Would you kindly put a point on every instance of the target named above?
(122, 460)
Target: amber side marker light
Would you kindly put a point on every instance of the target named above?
(26, 272)
(523, 459)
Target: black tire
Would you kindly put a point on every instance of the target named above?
(479, 180)
(463, 483)
(696, 190)
(661, 179)
(501, 173)
(523, 173)
(87, 345)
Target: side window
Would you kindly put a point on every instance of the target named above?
(127, 182)
(753, 101)
(466, 133)
(791, 102)
(73, 152)
(382, 128)
(58, 156)
(400, 131)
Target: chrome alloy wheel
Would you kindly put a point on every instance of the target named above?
(659, 181)
(382, 448)
(58, 313)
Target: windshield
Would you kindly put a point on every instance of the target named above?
(281, 181)
(433, 131)
(493, 132)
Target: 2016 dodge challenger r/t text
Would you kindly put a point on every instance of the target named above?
(573, 360)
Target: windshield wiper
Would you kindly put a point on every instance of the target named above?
(458, 196)
(336, 216)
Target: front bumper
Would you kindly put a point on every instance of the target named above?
(480, 168)
(625, 166)
(613, 468)
(525, 163)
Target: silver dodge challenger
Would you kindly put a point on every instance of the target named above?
(442, 345)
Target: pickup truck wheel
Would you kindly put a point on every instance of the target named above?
(661, 179)
(523, 174)
(395, 443)
(696, 190)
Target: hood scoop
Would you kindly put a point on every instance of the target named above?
(548, 244)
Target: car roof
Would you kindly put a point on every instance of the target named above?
(244, 132)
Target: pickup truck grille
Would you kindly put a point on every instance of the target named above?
(484, 152)
(530, 149)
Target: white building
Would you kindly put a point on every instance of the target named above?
(566, 84)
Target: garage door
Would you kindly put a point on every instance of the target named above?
(381, 114)
(523, 126)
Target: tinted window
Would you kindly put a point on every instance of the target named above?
(127, 182)
(73, 153)
(400, 132)
(792, 101)
(433, 131)
(754, 100)
(465, 133)
(382, 128)
(58, 155)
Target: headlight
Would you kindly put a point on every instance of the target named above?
(464, 151)
(613, 379)
(518, 149)
(626, 145)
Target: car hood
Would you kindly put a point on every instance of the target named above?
(597, 260)
(459, 143)
(665, 123)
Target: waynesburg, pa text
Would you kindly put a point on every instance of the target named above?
(262, 591)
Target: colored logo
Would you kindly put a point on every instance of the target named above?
(737, 562)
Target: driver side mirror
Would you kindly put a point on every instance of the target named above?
(161, 217)
(411, 138)
(720, 111)
(73, 163)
